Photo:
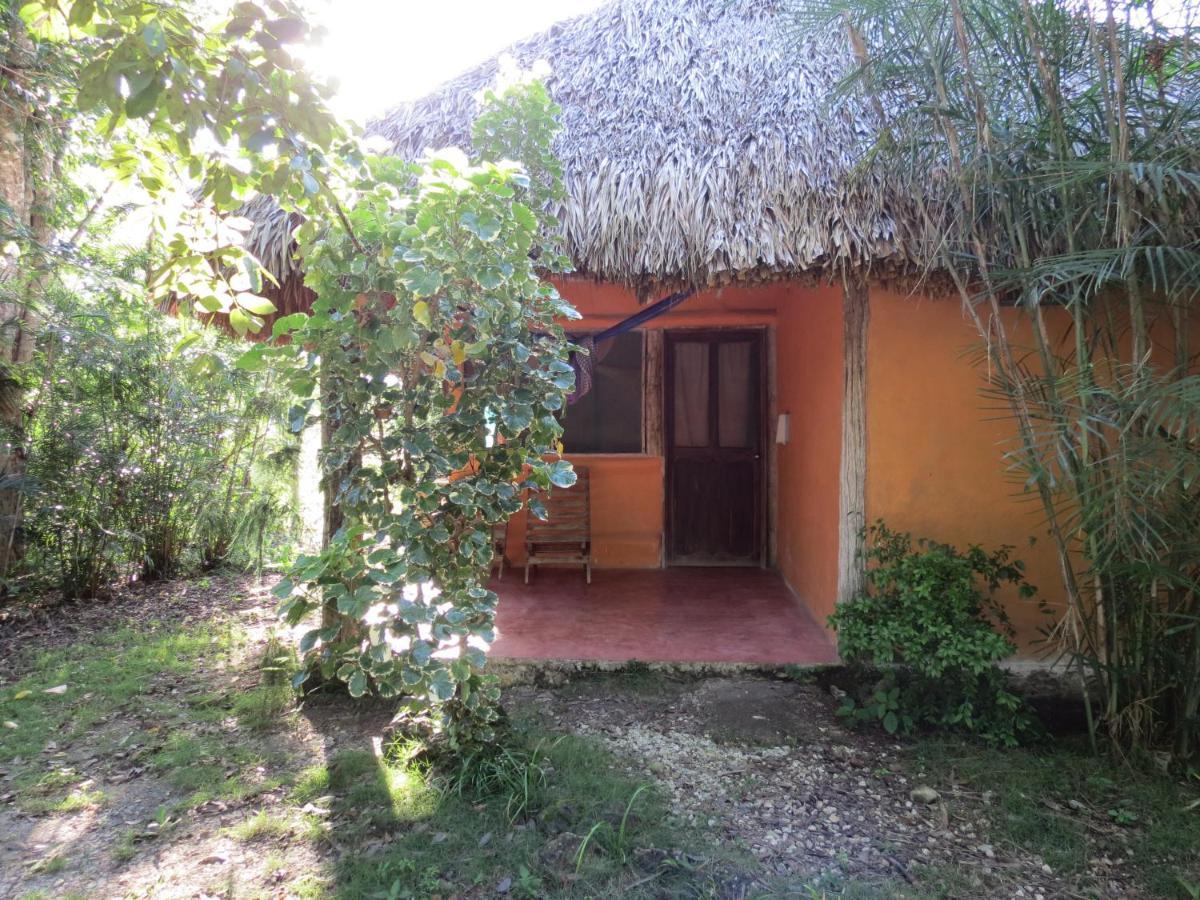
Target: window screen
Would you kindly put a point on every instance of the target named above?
(608, 418)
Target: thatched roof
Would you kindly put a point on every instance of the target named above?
(698, 144)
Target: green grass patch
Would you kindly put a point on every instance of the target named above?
(264, 707)
(550, 816)
(126, 846)
(261, 826)
(217, 766)
(68, 694)
(1069, 807)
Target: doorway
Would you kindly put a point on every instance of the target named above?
(714, 442)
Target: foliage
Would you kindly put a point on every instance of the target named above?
(442, 365)
(140, 468)
(181, 112)
(929, 615)
(1053, 155)
(197, 109)
(435, 342)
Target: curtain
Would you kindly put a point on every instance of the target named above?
(691, 394)
(735, 395)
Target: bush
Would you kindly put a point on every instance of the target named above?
(140, 466)
(929, 620)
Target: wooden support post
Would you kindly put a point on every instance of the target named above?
(652, 399)
(852, 493)
(652, 414)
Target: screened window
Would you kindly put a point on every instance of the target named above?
(608, 418)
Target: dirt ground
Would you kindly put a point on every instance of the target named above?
(760, 764)
(767, 766)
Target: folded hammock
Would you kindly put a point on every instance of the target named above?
(584, 362)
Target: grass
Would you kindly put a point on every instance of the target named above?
(1070, 808)
(125, 848)
(70, 694)
(552, 816)
(260, 826)
(265, 707)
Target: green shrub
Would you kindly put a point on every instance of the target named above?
(139, 466)
(929, 621)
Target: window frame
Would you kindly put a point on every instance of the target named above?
(643, 406)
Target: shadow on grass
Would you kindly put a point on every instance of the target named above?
(547, 816)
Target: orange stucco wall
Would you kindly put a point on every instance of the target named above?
(935, 444)
(628, 490)
(808, 387)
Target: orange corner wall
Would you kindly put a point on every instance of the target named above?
(935, 445)
(808, 388)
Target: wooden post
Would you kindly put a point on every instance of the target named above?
(652, 399)
(852, 493)
(652, 415)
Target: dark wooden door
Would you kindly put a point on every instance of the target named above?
(714, 424)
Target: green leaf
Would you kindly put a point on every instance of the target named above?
(357, 685)
(82, 12)
(240, 322)
(155, 38)
(309, 640)
(524, 216)
(483, 225)
(562, 474)
(422, 282)
(890, 723)
(287, 324)
(442, 685)
(261, 140)
(144, 101)
(253, 360)
(260, 306)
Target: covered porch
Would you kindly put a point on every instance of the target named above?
(680, 615)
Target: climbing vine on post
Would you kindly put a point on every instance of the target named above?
(443, 364)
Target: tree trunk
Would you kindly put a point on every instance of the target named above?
(334, 517)
(852, 494)
(23, 230)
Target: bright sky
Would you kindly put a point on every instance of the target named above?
(382, 52)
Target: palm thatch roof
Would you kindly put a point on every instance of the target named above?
(699, 145)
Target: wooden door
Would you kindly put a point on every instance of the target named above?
(714, 424)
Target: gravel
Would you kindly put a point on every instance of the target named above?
(805, 797)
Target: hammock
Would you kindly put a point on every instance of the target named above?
(584, 362)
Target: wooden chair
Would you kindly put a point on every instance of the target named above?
(565, 536)
(499, 545)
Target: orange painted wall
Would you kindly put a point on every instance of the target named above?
(628, 490)
(808, 386)
(627, 505)
(935, 445)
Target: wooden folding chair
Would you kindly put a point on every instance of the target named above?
(499, 545)
(565, 536)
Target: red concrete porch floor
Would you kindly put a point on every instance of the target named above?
(694, 615)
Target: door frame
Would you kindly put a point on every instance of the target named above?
(764, 338)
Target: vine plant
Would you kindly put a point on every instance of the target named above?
(437, 348)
